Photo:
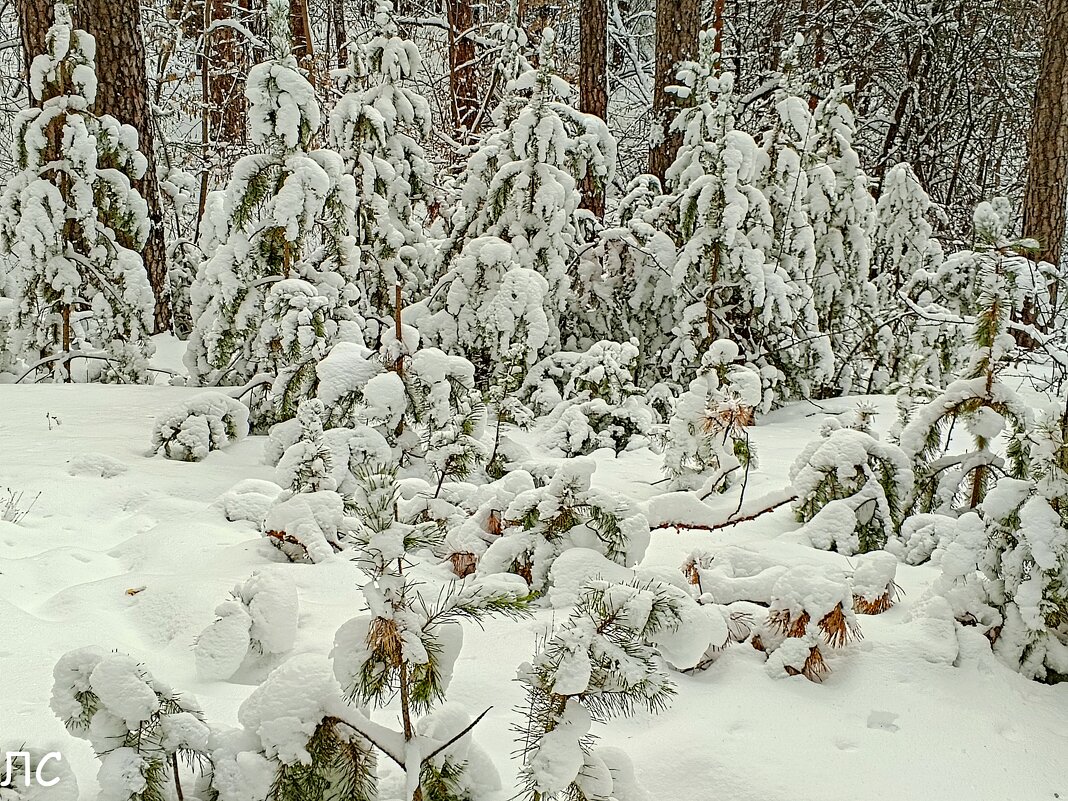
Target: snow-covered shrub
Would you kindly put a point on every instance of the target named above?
(73, 223)
(274, 296)
(260, 618)
(599, 664)
(985, 405)
(481, 516)
(140, 729)
(808, 613)
(298, 741)
(421, 400)
(601, 406)
(206, 422)
(920, 536)
(852, 490)
(374, 126)
(306, 465)
(706, 443)
(8, 347)
(307, 526)
(541, 523)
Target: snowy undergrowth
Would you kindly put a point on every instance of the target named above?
(138, 559)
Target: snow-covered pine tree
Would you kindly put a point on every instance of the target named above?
(599, 664)
(601, 406)
(73, 223)
(541, 523)
(807, 361)
(307, 520)
(407, 644)
(1018, 543)
(140, 729)
(904, 253)
(259, 619)
(706, 443)
(724, 283)
(986, 404)
(637, 253)
(375, 127)
(521, 185)
(852, 490)
(841, 211)
(276, 294)
(492, 310)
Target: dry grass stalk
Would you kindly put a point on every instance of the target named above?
(494, 525)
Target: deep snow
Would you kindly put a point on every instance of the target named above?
(126, 551)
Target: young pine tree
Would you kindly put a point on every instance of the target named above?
(277, 291)
(521, 185)
(979, 399)
(599, 664)
(374, 127)
(406, 645)
(74, 225)
(841, 210)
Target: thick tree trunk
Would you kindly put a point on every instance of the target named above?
(593, 82)
(1047, 162)
(35, 18)
(463, 79)
(677, 25)
(122, 92)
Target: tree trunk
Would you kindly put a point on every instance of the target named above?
(227, 63)
(677, 25)
(300, 25)
(463, 79)
(593, 82)
(1047, 161)
(35, 18)
(122, 92)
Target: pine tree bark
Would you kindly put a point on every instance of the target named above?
(300, 25)
(1047, 162)
(593, 82)
(463, 79)
(35, 18)
(678, 23)
(122, 91)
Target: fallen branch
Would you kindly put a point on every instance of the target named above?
(731, 519)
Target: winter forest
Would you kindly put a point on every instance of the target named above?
(533, 400)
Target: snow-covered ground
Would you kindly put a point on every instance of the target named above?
(126, 551)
